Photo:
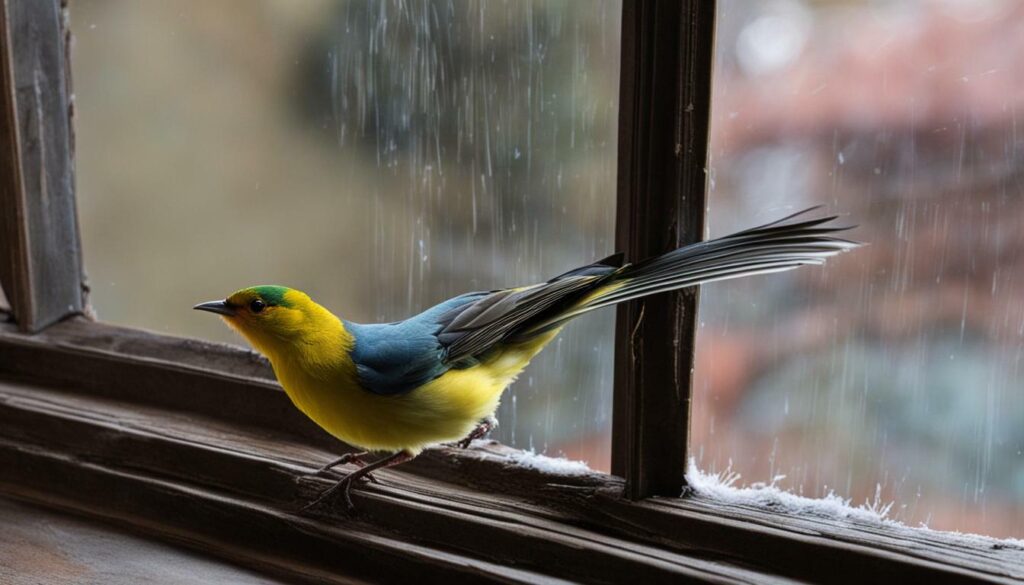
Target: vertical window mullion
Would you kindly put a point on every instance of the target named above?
(40, 259)
(664, 116)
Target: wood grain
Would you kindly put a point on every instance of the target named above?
(664, 112)
(40, 258)
(200, 481)
(199, 446)
(38, 544)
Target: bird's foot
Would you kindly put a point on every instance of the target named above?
(357, 459)
(344, 485)
(486, 426)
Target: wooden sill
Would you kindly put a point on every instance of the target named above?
(194, 443)
(43, 546)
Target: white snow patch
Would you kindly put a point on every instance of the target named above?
(550, 465)
(722, 487)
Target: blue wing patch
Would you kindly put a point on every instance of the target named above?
(395, 358)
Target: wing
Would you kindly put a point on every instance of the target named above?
(455, 334)
(471, 329)
(395, 358)
(391, 360)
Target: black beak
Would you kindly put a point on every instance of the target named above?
(219, 307)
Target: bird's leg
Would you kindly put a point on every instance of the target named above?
(345, 484)
(487, 425)
(356, 458)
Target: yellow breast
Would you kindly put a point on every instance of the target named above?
(442, 410)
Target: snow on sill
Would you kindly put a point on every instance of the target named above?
(722, 487)
(543, 463)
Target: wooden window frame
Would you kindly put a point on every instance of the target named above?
(195, 443)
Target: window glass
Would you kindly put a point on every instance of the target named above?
(382, 156)
(896, 370)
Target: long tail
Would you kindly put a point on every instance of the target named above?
(781, 245)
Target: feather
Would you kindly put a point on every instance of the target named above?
(516, 315)
(398, 357)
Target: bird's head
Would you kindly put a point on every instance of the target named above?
(272, 318)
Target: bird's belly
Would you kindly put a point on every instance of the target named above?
(442, 410)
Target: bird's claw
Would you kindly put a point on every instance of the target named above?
(345, 485)
(354, 458)
(364, 472)
(368, 476)
(486, 426)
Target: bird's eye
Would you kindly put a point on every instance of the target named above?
(257, 305)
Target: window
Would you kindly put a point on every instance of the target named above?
(193, 442)
(381, 156)
(893, 375)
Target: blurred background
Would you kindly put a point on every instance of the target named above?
(381, 156)
(386, 155)
(897, 367)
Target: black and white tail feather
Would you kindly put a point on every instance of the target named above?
(515, 315)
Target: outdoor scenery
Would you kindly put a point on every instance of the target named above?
(896, 371)
(385, 155)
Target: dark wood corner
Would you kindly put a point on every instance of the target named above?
(40, 258)
(664, 114)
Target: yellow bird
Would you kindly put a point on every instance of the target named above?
(438, 376)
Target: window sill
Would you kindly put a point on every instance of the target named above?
(194, 443)
(42, 546)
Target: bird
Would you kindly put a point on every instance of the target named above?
(437, 377)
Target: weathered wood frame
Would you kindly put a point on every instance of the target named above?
(664, 114)
(195, 443)
(40, 259)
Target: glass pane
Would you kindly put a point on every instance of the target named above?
(382, 156)
(895, 370)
